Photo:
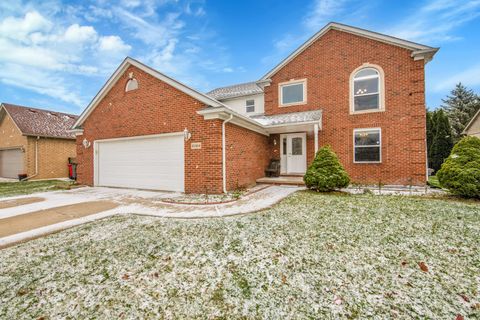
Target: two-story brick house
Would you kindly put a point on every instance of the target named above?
(361, 92)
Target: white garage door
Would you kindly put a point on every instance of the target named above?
(11, 163)
(155, 163)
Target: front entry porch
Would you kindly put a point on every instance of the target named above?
(282, 180)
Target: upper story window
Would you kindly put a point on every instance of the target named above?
(366, 86)
(250, 105)
(293, 92)
(367, 145)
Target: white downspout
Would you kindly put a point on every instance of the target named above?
(315, 133)
(36, 161)
(224, 157)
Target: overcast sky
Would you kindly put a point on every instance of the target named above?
(57, 54)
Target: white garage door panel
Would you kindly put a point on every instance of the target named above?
(11, 163)
(144, 163)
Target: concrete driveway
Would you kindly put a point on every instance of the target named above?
(30, 216)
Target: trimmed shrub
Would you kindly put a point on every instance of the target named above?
(460, 173)
(326, 172)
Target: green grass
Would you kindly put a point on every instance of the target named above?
(433, 182)
(27, 187)
(323, 256)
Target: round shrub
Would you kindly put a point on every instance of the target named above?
(460, 173)
(326, 172)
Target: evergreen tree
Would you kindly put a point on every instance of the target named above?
(326, 173)
(442, 140)
(430, 134)
(460, 106)
(460, 173)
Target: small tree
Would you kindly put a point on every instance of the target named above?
(460, 106)
(460, 173)
(326, 172)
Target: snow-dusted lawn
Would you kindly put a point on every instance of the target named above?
(313, 255)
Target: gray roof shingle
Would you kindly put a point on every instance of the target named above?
(288, 118)
(236, 90)
(39, 122)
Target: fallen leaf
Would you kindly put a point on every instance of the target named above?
(476, 306)
(125, 277)
(337, 300)
(284, 279)
(404, 263)
(464, 297)
(155, 274)
(459, 317)
(423, 266)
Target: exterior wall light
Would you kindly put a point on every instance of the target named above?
(186, 134)
(86, 143)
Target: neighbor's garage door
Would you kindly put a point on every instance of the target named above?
(11, 163)
(145, 163)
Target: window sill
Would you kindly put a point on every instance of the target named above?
(366, 111)
(367, 162)
(292, 104)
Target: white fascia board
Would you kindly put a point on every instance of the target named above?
(223, 113)
(78, 132)
(245, 122)
(353, 30)
(293, 127)
(471, 122)
(121, 69)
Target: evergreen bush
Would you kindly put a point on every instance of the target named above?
(460, 173)
(326, 173)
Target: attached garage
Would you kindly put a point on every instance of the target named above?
(148, 162)
(11, 163)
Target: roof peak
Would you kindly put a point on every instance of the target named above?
(419, 51)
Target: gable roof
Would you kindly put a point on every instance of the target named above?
(209, 101)
(470, 123)
(40, 122)
(419, 51)
(236, 90)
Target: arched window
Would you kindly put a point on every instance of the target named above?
(367, 89)
(132, 84)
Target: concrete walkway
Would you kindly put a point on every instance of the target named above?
(30, 221)
(43, 213)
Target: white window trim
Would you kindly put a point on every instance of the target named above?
(288, 83)
(380, 146)
(381, 89)
(253, 105)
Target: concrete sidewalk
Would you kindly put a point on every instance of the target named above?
(28, 217)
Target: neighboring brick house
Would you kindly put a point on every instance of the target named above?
(361, 92)
(35, 142)
(473, 126)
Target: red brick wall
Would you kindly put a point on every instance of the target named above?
(155, 108)
(248, 155)
(327, 64)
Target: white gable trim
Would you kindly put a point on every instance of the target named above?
(132, 62)
(469, 124)
(2, 107)
(419, 51)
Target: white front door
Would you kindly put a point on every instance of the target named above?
(293, 153)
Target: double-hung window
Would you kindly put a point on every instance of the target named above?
(367, 145)
(250, 105)
(293, 92)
